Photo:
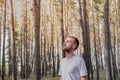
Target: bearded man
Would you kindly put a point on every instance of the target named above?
(72, 67)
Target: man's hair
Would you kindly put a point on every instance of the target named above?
(76, 41)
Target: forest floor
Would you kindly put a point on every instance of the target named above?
(49, 77)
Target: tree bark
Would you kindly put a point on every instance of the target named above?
(36, 16)
(87, 51)
(21, 53)
(13, 48)
(95, 43)
(26, 54)
(9, 51)
(107, 41)
(0, 36)
(62, 26)
(3, 56)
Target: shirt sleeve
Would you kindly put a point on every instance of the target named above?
(82, 67)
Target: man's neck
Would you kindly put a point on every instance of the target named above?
(69, 54)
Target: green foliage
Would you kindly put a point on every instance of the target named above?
(73, 5)
(98, 8)
(57, 7)
(53, 78)
(99, 1)
(101, 16)
(48, 18)
(98, 5)
(31, 9)
(73, 15)
(1, 3)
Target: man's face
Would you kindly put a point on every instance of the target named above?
(68, 44)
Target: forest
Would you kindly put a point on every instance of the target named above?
(32, 33)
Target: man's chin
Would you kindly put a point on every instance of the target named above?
(65, 50)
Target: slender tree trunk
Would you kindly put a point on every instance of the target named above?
(23, 38)
(117, 51)
(114, 56)
(62, 26)
(58, 57)
(81, 22)
(119, 32)
(52, 34)
(118, 39)
(26, 54)
(49, 57)
(36, 16)
(87, 53)
(99, 42)
(115, 75)
(31, 51)
(24, 25)
(21, 53)
(45, 33)
(13, 48)
(41, 56)
(96, 55)
(0, 36)
(10, 65)
(107, 41)
(65, 5)
(95, 44)
(3, 55)
(24, 76)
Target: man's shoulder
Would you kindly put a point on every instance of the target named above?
(78, 57)
(63, 59)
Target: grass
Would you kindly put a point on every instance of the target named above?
(49, 77)
(102, 76)
(55, 78)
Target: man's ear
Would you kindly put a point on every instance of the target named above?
(74, 46)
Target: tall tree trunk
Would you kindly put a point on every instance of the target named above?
(21, 53)
(49, 57)
(62, 26)
(58, 57)
(65, 5)
(107, 41)
(24, 25)
(3, 55)
(41, 51)
(26, 55)
(10, 65)
(118, 39)
(95, 44)
(45, 33)
(118, 51)
(81, 22)
(52, 34)
(13, 48)
(36, 16)
(31, 51)
(0, 36)
(87, 53)
(115, 75)
(99, 42)
(114, 55)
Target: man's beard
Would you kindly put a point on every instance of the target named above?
(66, 49)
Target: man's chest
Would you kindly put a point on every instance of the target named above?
(69, 67)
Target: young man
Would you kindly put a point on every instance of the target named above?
(72, 67)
